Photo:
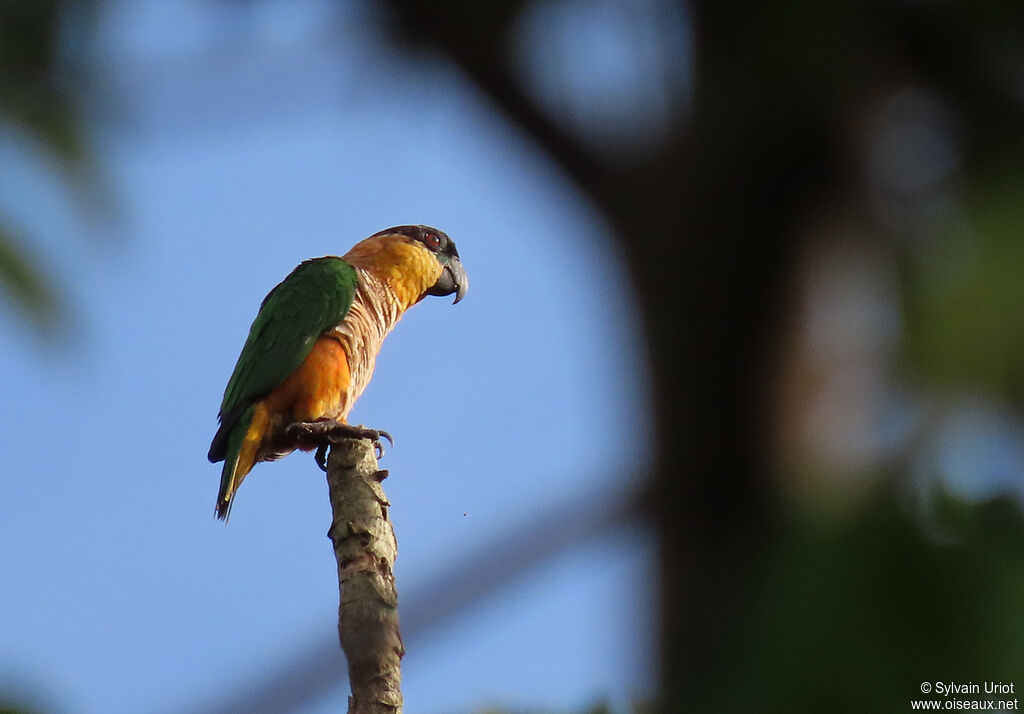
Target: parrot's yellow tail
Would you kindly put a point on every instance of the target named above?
(240, 456)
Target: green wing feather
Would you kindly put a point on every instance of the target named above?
(315, 297)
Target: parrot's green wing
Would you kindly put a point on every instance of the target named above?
(314, 298)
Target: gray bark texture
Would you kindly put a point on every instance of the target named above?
(365, 547)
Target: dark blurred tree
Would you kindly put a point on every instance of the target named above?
(710, 221)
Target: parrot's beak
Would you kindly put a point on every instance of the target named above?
(453, 280)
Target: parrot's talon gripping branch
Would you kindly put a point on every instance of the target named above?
(327, 432)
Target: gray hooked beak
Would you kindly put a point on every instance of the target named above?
(453, 280)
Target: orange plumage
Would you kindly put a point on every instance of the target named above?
(314, 391)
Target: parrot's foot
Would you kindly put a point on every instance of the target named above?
(326, 432)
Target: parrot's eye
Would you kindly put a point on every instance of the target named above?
(432, 241)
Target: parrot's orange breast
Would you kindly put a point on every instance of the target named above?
(317, 389)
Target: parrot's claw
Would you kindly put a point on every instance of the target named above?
(379, 447)
(326, 432)
(321, 457)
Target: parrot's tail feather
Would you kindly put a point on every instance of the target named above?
(234, 471)
(227, 491)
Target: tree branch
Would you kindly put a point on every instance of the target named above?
(365, 547)
(492, 568)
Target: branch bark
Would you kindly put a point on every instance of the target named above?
(365, 547)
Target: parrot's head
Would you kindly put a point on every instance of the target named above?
(453, 278)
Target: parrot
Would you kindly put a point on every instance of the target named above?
(312, 348)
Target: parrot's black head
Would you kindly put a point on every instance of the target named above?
(453, 276)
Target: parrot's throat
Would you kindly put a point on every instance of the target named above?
(375, 311)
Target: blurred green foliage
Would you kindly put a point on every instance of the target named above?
(35, 87)
(25, 283)
(854, 618)
(964, 291)
(37, 99)
(8, 706)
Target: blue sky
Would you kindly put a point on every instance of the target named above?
(235, 143)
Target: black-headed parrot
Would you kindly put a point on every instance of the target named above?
(312, 347)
